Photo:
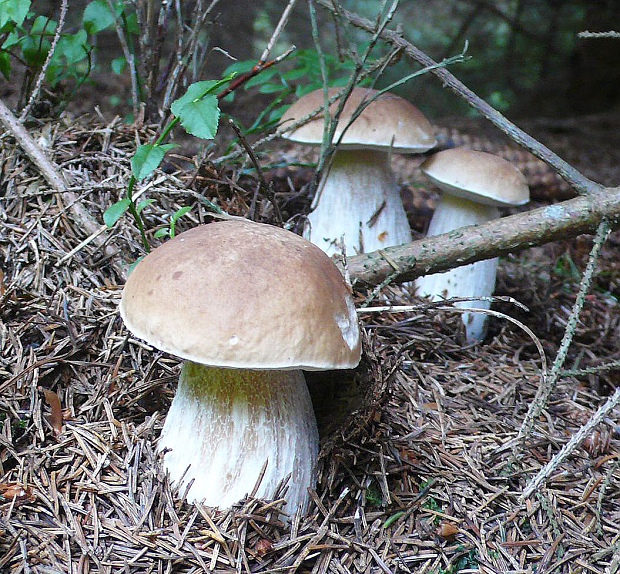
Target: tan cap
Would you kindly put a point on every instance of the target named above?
(244, 295)
(476, 175)
(389, 121)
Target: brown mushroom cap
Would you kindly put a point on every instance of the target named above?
(478, 176)
(243, 295)
(389, 121)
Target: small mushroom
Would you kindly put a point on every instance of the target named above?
(475, 185)
(358, 197)
(247, 306)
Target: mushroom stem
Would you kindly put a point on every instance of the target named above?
(358, 199)
(225, 424)
(473, 280)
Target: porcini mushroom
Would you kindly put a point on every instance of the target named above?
(247, 306)
(474, 184)
(358, 198)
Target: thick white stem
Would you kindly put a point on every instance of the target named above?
(474, 280)
(358, 200)
(225, 424)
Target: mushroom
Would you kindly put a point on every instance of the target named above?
(475, 185)
(247, 305)
(358, 197)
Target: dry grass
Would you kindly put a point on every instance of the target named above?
(422, 478)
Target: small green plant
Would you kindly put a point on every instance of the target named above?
(27, 39)
(198, 112)
(373, 495)
(171, 230)
(301, 76)
(468, 560)
(566, 268)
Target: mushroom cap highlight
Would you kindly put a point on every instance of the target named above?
(388, 122)
(478, 176)
(243, 295)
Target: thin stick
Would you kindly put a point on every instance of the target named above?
(576, 179)
(549, 383)
(57, 182)
(284, 18)
(571, 445)
(263, 186)
(41, 77)
(594, 370)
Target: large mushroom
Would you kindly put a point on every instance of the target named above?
(358, 198)
(475, 185)
(247, 306)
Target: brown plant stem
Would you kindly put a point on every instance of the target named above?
(555, 222)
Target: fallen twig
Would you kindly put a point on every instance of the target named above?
(571, 445)
(500, 237)
(549, 382)
(57, 182)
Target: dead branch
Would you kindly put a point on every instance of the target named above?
(555, 222)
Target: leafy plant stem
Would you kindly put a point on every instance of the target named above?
(129, 56)
(135, 214)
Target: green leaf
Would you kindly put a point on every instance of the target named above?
(273, 89)
(263, 77)
(147, 159)
(163, 232)
(198, 110)
(116, 211)
(34, 50)
(133, 265)
(175, 217)
(97, 17)
(5, 65)
(13, 11)
(119, 65)
(131, 22)
(73, 47)
(295, 74)
(43, 26)
(242, 67)
(12, 39)
(144, 203)
(179, 213)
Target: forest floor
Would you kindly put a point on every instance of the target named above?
(421, 469)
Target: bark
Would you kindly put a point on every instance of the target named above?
(555, 222)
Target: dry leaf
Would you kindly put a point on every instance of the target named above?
(447, 530)
(56, 417)
(263, 546)
(15, 492)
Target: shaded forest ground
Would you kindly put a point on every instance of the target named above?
(417, 471)
(421, 469)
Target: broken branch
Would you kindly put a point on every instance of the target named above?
(559, 221)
